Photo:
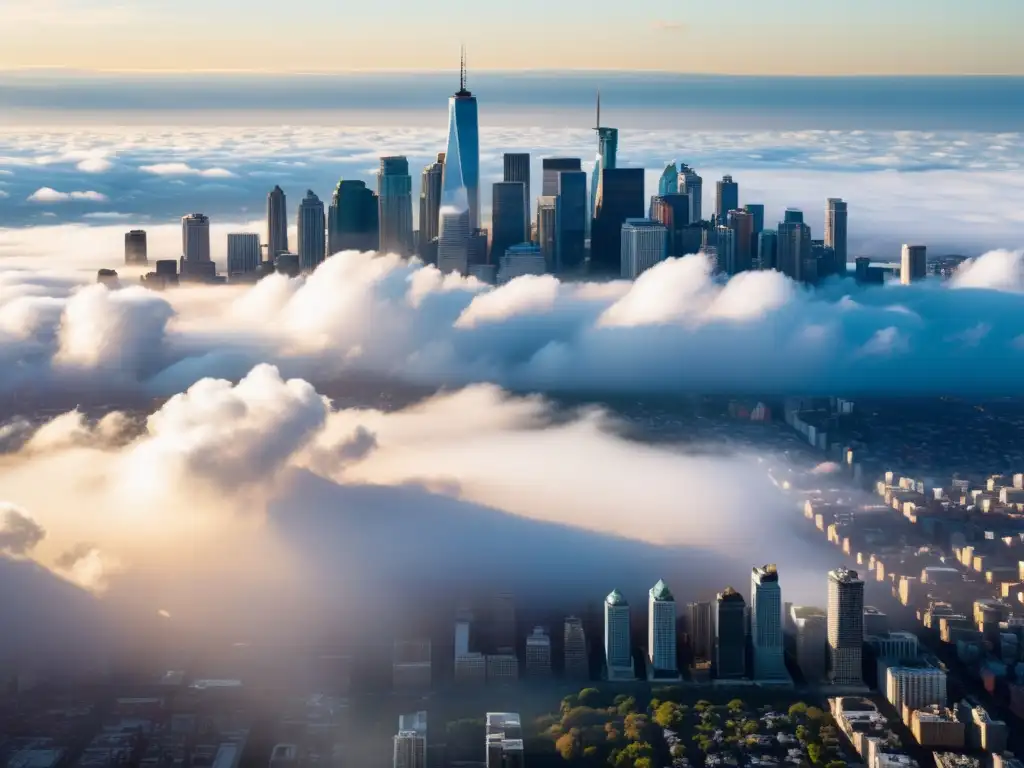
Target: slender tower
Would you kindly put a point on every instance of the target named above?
(461, 178)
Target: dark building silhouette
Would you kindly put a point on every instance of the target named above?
(757, 211)
(571, 220)
(622, 198)
(673, 210)
(394, 195)
(430, 203)
(352, 219)
(552, 166)
(730, 635)
(135, 247)
(277, 223)
(727, 198)
(508, 217)
(517, 168)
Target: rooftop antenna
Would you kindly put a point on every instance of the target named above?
(462, 70)
(598, 126)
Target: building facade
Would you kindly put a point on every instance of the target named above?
(516, 166)
(430, 201)
(394, 193)
(520, 260)
(644, 244)
(793, 246)
(668, 184)
(810, 626)
(730, 635)
(135, 252)
(547, 229)
(915, 686)
(243, 253)
(618, 650)
(835, 233)
(766, 624)
(692, 185)
(538, 654)
(702, 630)
(661, 629)
(195, 238)
(312, 224)
(913, 264)
(727, 198)
(742, 225)
(277, 223)
(353, 218)
(622, 197)
(673, 210)
(576, 661)
(571, 223)
(453, 242)
(461, 177)
(551, 168)
(845, 626)
(508, 217)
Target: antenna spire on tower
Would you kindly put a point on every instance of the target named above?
(598, 126)
(462, 70)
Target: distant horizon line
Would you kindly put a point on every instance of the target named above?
(70, 70)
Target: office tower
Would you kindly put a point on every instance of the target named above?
(793, 216)
(915, 686)
(394, 193)
(462, 158)
(845, 626)
(622, 198)
(519, 260)
(502, 667)
(693, 185)
(835, 233)
(411, 664)
(277, 223)
(508, 217)
(793, 246)
(312, 228)
(552, 167)
(875, 621)
(577, 663)
(668, 184)
(823, 261)
(810, 625)
(767, 249)
(538, 654)
(503, 740)
(135, 247)
(243, 253)
(724, 239)
(453, 242)
(702, 630)
(607, 159)
(571, 224)
(727, 198)
(288, 264)
(742, 225)
(410, 750)
(430, 200)
(353, 216)
(618, 651)
(757, 211)
(673, 210)
(644, 244)
(661, 628)
(195, 238)
(914, 264)
(547, 223)
(476, 250)
(517, 168)
(730, 635)
(766, 624)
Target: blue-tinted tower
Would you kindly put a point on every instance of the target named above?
(607, 152)
(462, 156)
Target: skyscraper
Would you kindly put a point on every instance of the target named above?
(845, 626)
(243, 253)
(570, 250)
(702, 630)
(693, 185)
(352, 221)
(767, 249)
(538, 654)
(312, 229)
(195, 238)
(644, 244)
(577, 665)
(503, 740)
(453, 242)
(811, 628)
(727, 198)
(622, 198)
(607, 158)
(835, 233)
(430, 200)
(547, 224)
(661, 628)
(668, 184)
(462, 158)
(277, 223)
(793, 246)
(742, 225)
(766, 624)
(725, 249)
(517, 168)
(673, 210)
(508, 217)
(618, 651)
(552, 167)
(135, 247)
(410, 750)
(394, 193)
(913, 264)
(757, 211)
(730, 635)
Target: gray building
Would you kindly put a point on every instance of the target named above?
(551, 167)
(835, 233)
(547, 229)
(135, 247)
(644, 244)
(767, 249)
(690, 183)
(394, 193)
(517, 169)
(576, 662)
(727, 198)
(352, 218)
(742, 225)
(243, 253)
(618, 649)
(810, 628)
(571, 224)
(508, 217)
(702, 630)
(312, 224)
(845, 626)
(430, 200)
(730, 635)
(766, 624)
(277, 223)
(195, 238)
(793, 246)
(913, 264)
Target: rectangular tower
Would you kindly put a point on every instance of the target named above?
(845, 626)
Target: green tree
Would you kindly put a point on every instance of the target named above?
(835, 764)
(751, 727)
(642, 762)
(801, 733)
(634, 726)
(569, 702)
(678, 751)
(736, 705)
(813, 713)
(627, 705)
(667, 715)
(814, 752)
(589, 697)
(590, 752)
(568, 744)
(613, 733)
(797, 710)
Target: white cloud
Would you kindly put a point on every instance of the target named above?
(50, 195)
(184, 169)
(4, 194)
(95, 165)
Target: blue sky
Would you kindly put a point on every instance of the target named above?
(742, 36)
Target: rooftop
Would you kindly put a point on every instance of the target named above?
(844, 576)
(615, 598)
(661, 592)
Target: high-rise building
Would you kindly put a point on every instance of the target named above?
(547, 224)
(767, 249)
(312, 232)
(462, 158)
(135, 247)
(742, 225)
(277, 223)
(552, 167)
(410, 750)
(352, 219)
(453, 242)
(725, 243)
(520, 260)
(702, 630)
(915, 686)
(243, 253)
(508, 217)
(727, 198)
(810, 625)
(793, 246)
(571, 224)
(618, 651)
(730, 635)
(822, 260)
(607, 159)
(517, 168)
(661, 628)
(503, 740)
(835, 233)
(845, 626)
(195, 238)
(394, 193)
(757, 211)
(577, 663)
(693, 185)
(430, 201)
(766, 624)
(914, 264)
(622, 197)
(673, 210)
(668, 184)
(538, 654)
(644, 244)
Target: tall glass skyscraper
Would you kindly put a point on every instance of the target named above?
(517, 168)
(727, 198)
(352, 218)
(622, 198)
(766, 624)
(835, 232)
(394, 192)
(607, 154)
(312, 229)
(508, 218)
(277, 223)
(461, 183)
(430, 200)
(668, 184)
(571, 223)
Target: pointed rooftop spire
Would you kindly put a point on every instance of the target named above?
(462, 69)
(598, 126)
